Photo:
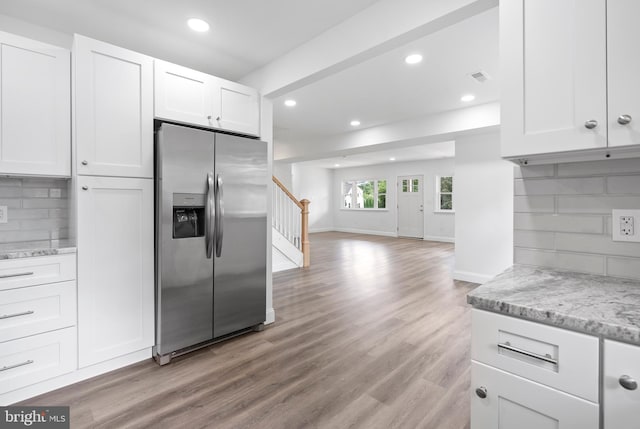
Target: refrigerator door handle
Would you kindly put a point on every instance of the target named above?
(219, 215)
(210, 216)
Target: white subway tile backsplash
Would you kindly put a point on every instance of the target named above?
(593, 185)
(565, 221)
(623, 267)
(534, 239)
(599, 168)
(533, 171)
(534, 204)
(596, 204)
(601, 244)
(553, 222)
(623, 185)
(593, 264)
(38, 212)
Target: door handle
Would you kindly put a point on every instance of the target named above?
(219, 215)
(209, 217)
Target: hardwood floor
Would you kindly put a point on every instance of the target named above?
(375, 334)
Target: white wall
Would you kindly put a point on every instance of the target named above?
(314, 184)
(282, 171)
(437, 226)
(484, 208)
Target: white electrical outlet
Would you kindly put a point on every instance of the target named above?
(624, 225)
(4, 214)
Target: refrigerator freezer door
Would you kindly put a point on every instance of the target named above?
(185, 161)
(239, 296)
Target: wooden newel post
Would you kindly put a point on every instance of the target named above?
(306, 250)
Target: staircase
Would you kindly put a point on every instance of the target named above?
(290, 230)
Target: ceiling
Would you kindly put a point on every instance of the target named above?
(407, 154)
(244, 35)
(384, 89)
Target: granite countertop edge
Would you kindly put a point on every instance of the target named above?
(29, 253)
(614, 330)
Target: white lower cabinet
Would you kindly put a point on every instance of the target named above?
(513, 402)
(115, 267)
(621, 394)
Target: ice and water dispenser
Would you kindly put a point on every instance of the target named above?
(188, 215)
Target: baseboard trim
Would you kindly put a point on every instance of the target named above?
(440, 239)
(471, 277)
(366, 232)
(74, 377)
(270, 317)
(314, 230)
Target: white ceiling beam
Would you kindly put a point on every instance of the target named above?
(429, 129)
(385, 25)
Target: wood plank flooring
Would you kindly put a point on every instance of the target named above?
(375, 334)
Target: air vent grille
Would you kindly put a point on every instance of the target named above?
(480, 76)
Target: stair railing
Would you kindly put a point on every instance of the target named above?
(291, 219)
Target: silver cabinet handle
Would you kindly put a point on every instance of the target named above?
(85, 188)
(7, 276)
(219, 215)
(481, 392)
(624, 119)
(628, 382)
(509, 347)
(84, 162)
(209, 216)
(6, 368)
(218, 118)
(591, 124)
(9, 316)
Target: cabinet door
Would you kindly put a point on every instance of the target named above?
(115, 267)
(623, 62)
(238, 108)
(114, 110)
(514, 402)
(621, 399)
(183, 95)
(36, 108)
(553, 55)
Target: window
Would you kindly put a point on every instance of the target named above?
(410, 185)
(444, 193)
(364, 194)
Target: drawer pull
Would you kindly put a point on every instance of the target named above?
(481, 392)
(628, 382)
(6, 368)
(509, 347)
(6, 276)
(9, 316)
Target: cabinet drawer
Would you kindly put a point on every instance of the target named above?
(562, 359)
(16, 273)
(33, 310)
(513, 402)
(621, 397)
(33, 359)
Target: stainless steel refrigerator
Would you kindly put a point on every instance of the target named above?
(211, 229)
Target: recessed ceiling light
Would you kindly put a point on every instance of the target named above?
(290, 103)
(198, 25)
(413, 59)
(337, 165)
(355, 123)
(392, 159)
(468, 97)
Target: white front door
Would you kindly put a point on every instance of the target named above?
(410, 206)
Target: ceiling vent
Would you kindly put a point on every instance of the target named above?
(480, 76)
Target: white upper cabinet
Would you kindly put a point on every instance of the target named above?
(113, 110)
(238, 108)
(623, 65)
(191, 97)
(553, 96)
(35, 112)
(183, 95)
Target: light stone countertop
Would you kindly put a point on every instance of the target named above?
(27, 251)
(598, 305)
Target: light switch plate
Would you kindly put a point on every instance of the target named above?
(625, 225)
(4, 214)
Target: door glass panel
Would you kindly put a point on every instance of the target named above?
(415, 186)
